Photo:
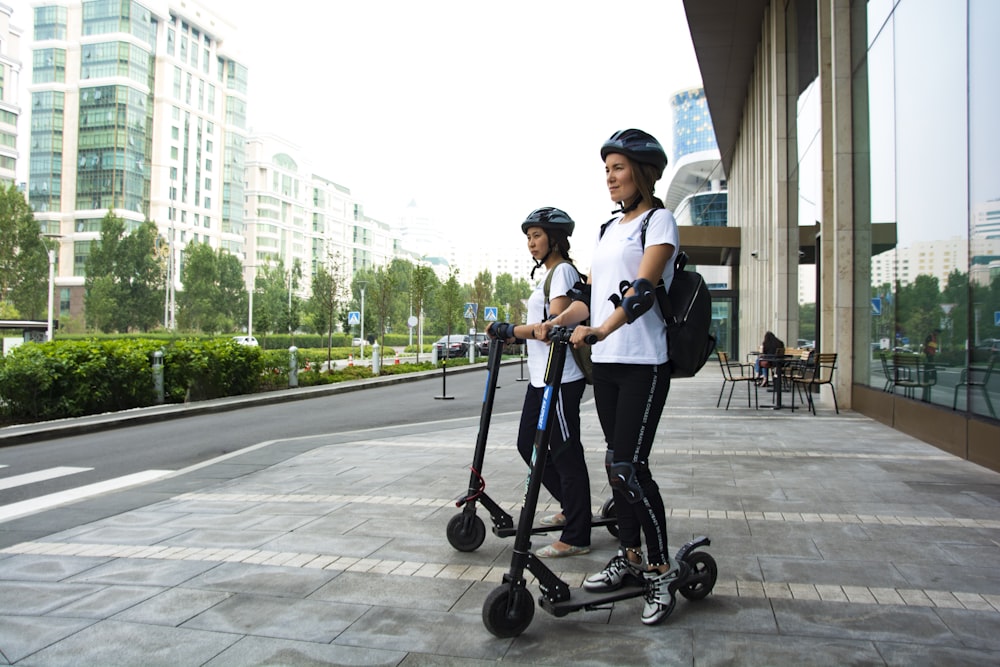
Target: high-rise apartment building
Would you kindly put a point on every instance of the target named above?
(138, 108)
(294, 215)
(10, 73)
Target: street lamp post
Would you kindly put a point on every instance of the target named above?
(362, 285)
(52, 281)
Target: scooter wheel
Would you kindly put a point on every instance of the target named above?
(466, 539)
(508, 610)
(608, 512)
(701, 577)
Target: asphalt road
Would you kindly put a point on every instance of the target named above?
(65, 463)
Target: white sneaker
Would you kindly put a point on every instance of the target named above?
(613, 575)
(660, 589)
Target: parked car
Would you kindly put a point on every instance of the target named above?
(482, 344)
(455, 345)
(246, 340)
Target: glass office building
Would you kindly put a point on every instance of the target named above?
(139, 109)
(861, 136)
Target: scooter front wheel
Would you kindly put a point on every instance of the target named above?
(466, 533)
(608, 512)
(701, 577)
(508, 610)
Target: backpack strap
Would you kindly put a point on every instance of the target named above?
(642, 233)
(548, 284)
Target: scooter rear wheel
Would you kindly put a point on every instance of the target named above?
(508, 610)
(702, 576)
(608, 512)
(466, 539)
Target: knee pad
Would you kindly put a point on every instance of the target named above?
(623, 478)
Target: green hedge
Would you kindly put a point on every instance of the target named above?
(77, 377)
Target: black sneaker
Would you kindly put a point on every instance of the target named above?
(660, 589)
(613, 575)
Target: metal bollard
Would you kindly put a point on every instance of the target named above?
(293, 366)
(158, 377)
(376, 359)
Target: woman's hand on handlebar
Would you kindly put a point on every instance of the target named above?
(585, 336)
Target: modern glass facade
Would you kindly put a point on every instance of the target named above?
(927, 158)
(693, 132)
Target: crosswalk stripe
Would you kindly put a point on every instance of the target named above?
(25, 507)
(39, 476)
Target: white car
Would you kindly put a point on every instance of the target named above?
(246, 340)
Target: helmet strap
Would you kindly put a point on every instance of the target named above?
(539, 263)
(631, 207)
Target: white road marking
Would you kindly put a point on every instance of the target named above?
(39, 476)
(25, 507)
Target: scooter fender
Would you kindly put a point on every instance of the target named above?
(688, 547)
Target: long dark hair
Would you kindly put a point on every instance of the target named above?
(558, 240)
(645, 177)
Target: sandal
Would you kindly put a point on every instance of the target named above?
(551, 551)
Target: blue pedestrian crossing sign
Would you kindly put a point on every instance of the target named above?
(996, 318)
(877, 306)
(353, 317)
(490, 313)
(470, 311)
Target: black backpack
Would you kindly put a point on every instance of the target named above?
(580, 354)
(687, 312)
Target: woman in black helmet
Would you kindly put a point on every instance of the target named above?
(566, 478)
(635, 249)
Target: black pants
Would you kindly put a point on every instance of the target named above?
(565, 475)
(630, 400)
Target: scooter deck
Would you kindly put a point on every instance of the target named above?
(510, 531)
(583, 599)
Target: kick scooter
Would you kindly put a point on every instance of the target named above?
(509, 608)
(466, 531)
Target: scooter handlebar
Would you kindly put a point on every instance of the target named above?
(590, 339)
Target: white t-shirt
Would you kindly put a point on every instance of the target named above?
(563, 278)
(616, 258)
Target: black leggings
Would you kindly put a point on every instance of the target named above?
(565, 475)
(630, 400)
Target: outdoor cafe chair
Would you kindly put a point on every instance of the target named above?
(733, 372)
(964, 381)
(815, 376)
(911, 372)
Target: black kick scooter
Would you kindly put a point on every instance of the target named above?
(466, 531)
(509, 608)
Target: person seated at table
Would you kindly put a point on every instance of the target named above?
(771, 345)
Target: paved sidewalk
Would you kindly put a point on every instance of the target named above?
(839, 541)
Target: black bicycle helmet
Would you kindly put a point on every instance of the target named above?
(637, 145)
(549, 218)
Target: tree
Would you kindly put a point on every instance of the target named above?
(327, 293)
(214, 295)
(918, 309)
(23, 257)
(422, 282)
(481, 294)
(383, 290)
(450, 300)
(124, 279)
(510, 294)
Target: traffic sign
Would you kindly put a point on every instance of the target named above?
(490, 313)
(470, 311)
(996, 318)
(353, 317)
(877, 306)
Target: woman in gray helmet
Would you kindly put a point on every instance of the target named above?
(565, 477)
(635, 250)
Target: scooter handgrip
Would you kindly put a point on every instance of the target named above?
(590, 339)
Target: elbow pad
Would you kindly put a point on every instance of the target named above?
(580, 292)
(639, 303)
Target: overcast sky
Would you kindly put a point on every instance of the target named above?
(478, 111)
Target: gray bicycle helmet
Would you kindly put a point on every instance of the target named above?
(637, 145)
(549, 218)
